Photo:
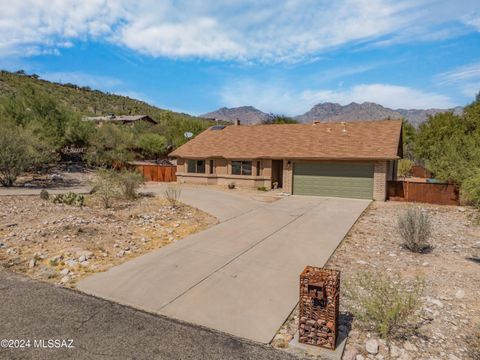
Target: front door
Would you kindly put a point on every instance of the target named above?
(277, 173)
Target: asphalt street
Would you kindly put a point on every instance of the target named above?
(42, 313)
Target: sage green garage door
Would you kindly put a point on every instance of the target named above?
(350, 180)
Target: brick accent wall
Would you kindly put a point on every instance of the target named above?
(380, 181)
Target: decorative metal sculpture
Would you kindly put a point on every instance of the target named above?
(319, 306)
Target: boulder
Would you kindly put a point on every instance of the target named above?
(350, 354)
(371, 346)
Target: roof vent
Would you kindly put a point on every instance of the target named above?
(217, 127)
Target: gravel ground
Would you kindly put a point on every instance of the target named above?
(61, 243)
(451, 271)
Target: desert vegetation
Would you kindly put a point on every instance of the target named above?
(385, 304)
(40, 119)
(414, 225)
(449, 146)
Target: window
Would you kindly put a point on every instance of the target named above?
(212, 167)
(196, 166)
(242, 168)
(258, 168)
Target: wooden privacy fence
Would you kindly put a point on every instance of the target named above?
(156, 172)
(432, 193)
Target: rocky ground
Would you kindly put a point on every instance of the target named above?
(62, 175)
(61, 243)
(450, 308)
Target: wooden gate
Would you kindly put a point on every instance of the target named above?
(156, 172)
(432, 193)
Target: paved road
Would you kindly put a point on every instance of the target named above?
(240, 276)
(105, 330)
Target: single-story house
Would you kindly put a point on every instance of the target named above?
(343, 159)
(119, 119)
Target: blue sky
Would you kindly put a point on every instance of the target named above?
(279, 56)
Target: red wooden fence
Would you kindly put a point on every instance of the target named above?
(432, 193)
(156, 172)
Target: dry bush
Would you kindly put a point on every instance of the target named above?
(105, 187)
(44, 195)
(415, 228)
(384, 303)
(129, 182)
(172, 194)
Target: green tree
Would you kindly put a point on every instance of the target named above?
(19, 151)
(449, 145)
(152, 145)
(408, 134)
(279, 119)
(111, 145)
(79, 133)
(404, 167)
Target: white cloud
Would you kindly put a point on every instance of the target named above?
(466, 78)
(461, 74)
(473, 20)
(52, 23)
(269, 31)
(279, 98)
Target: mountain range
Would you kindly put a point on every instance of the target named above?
(332, 112)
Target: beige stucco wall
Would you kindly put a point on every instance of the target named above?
(222, 174)
(287, 176)
(380, 174)
(383, 170)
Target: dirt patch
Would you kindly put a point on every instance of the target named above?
(61, 244)
(451, 271)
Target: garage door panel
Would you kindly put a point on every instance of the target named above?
(353, 180)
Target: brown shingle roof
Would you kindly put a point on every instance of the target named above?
(323, 141)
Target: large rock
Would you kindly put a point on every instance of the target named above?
(350, 354)
(371, 346)
(460, 294)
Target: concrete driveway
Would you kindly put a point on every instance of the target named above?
(240, 276)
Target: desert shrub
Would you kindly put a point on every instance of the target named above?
(152, 145)
(473, 344)
(16, 153)
(70, 198)
(111, 144)
(44, 195)
(384, 303)
(470, 190)
(404, 167)
(231, 185)
(172, 194)
(414, 225)
(105, 186)
(262, 188)
(129, 182)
